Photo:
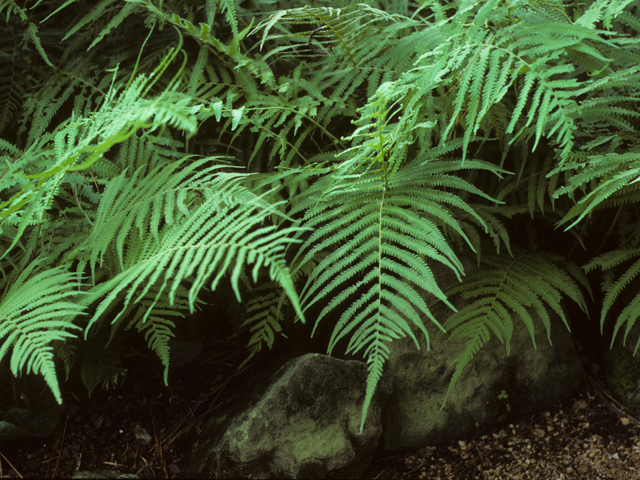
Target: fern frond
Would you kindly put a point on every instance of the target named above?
(354, 48)
(491, 224)
(156, 324)
(378, 233)
(162, 197)
(90, 17)
(101, 365)
(602, 11)
(37, 308)
(230, 13)
(481, 65)
(66, 353)
(32, 29)
(12, 89)
(223, 234)
(202, 33)
(266, 319)
(115, 21)
(616, 173)
(607, 262)
(530, 282)
(81, 144)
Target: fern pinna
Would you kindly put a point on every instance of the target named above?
(320, 156)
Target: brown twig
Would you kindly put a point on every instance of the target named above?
(14, 468)
(158, 443)
(64, 432)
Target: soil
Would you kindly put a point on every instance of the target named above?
(139, 428)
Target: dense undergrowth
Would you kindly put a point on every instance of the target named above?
(320, 158)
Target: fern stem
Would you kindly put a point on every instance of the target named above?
(81, 209)
(613, 224)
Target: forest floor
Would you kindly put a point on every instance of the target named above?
(137, 429)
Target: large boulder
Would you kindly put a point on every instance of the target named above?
(494, 387)
(301, 422)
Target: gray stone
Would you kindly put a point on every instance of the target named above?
(141, 435)
(304, 423)
(493, 387)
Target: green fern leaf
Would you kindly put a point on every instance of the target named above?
(529, 282)
(223, 234)
(377, 232)
(36, 310)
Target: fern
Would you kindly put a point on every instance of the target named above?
(217, 235)
(266, 311)
(34, 308)
(382, 231)
(528, 282)
(616, 175)
(32, 29)
(101, 366)
(608, 262)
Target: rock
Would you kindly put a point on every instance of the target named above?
(183, 352)
(28, 422)
(493, 387)
(622, 367)
(141, 435)
(302, 422)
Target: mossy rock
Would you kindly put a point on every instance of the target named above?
(621, 372)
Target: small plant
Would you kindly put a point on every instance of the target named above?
(503, 395)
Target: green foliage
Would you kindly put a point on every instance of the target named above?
(536, 281)
(321, 157)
